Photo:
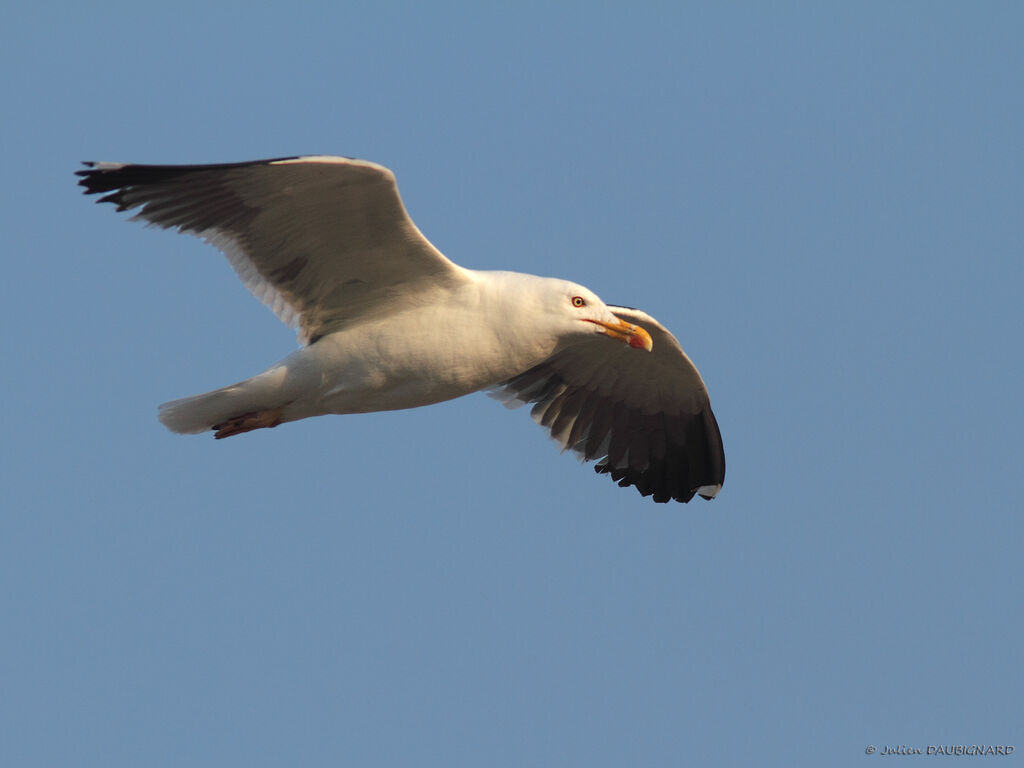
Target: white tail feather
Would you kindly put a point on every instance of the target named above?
(199, 413)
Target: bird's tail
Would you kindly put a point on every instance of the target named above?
(200, 413)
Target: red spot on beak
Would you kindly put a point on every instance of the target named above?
(633, 335)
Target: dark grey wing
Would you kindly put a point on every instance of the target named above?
(320, 240)
(645, 416)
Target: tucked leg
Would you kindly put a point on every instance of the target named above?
(247, 422)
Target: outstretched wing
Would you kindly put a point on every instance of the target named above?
(320, 240)
(645, 416)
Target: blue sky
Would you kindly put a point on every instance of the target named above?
(822, 201)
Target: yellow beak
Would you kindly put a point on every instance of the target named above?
(633, 335)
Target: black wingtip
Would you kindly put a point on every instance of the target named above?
(107, 177)
(91, 179)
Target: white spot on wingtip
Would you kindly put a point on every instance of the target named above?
(709, 491)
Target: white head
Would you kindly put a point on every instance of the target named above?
(571, 310)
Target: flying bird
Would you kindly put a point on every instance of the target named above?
(386, 322)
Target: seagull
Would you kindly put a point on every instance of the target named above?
(385, 321)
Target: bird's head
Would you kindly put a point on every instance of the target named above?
(586, 313)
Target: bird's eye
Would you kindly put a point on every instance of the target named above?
(577, 301)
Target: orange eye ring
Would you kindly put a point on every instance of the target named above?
(577, 301)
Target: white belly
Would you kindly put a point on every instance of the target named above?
(403, 362)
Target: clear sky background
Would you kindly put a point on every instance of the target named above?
(823, 201)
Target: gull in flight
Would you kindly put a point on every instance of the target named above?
(386, 322)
